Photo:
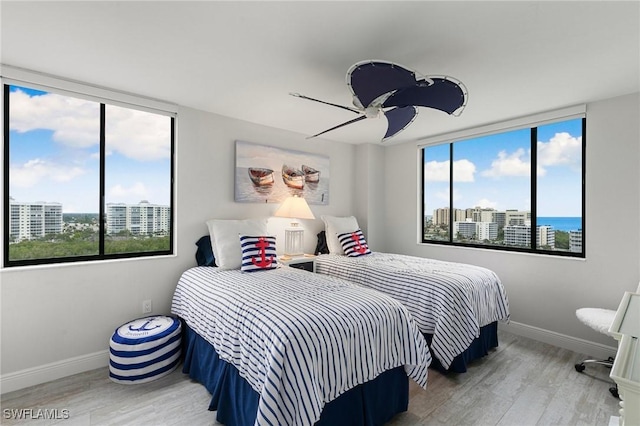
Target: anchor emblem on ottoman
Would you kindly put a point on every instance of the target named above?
(145, 349)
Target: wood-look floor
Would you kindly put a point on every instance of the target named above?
(522, 382)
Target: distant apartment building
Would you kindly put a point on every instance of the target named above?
(466, 229)
(28, 220)
(441, 216)
(517, 235)
(545, 236)
(143, 218)
(479, 214)
(520, 235)
(487, 231)
(479, 231)
(575, 241)
(516, 217)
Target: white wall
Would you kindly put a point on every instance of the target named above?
(369, 193)
(56, 320)
(545, 291)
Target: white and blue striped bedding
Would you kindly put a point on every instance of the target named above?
(299, 339)
(449, 300)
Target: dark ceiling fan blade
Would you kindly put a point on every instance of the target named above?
(362, 117)
(369, 80)
(298, 95)
(398, 119)
(444, 94)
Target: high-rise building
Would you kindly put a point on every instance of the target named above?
(481, 214)
(441, 216)
(479, 231)
(499, 218)
(517, 217)
(466, 229)
(28, 220)
(575, 241)
(545, 236)
(143, 218)
(520, 235)
(487, 231)
(517, 235)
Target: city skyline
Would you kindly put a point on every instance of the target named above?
(55, 152)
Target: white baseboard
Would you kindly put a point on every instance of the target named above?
(575, 344)
(53, 371)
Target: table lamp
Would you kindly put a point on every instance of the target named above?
(296, 208)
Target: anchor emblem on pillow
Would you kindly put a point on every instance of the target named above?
(359, 247)
(262, 261)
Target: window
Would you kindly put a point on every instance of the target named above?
(519, 190)
(85, 178)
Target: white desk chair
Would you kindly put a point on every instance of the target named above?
(600, 320)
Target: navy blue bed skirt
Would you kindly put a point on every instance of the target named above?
(488, 339)
(236, 403)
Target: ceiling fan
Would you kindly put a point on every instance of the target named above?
(396, 91)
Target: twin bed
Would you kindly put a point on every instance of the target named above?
(275, 347)
(457, 306)
(283, 346)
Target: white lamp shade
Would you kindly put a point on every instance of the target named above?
(294, 207)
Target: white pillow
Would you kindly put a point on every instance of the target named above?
(225, 239)
(333, 226)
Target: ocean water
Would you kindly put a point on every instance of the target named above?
(562, 223)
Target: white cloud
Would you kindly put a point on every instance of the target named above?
(74, 122)
(136, 134)
(438, 171)
(516, 164)
(562, 149)
(486, 204)
(138, 191)
(37, 170)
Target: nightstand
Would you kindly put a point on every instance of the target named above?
(305, 262)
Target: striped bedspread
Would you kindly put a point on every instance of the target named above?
(449, 300)
(299, 339)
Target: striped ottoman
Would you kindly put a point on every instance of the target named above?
(145, 349)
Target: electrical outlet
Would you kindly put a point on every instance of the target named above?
(146, 306)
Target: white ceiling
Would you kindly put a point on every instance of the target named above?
(241, 59)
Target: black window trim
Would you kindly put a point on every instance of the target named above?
(119, 99)
(533, 126)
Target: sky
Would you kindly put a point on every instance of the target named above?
(494, 171)
(54, 152)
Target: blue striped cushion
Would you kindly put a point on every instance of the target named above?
(354, 244)
(145, 349)
(258, 253)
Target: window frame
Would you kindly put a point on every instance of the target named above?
(494, 129)
(104, 97)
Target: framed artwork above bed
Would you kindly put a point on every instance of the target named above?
(266, 174)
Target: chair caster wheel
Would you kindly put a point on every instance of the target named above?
(614, 391)
(580, 367)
